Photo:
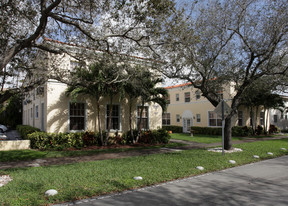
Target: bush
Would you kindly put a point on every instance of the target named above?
(242, 131)
(236, 131)
(207, 130)
(259, 130)
(273, 129)
(284, 130)
(24, 130)
(159, 136)
(174, 129)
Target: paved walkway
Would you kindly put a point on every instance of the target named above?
(262, 183)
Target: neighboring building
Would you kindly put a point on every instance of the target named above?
(188, 108)
(280, 118)
(49, 109)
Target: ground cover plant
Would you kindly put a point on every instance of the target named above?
(200, 138)
(86, 179)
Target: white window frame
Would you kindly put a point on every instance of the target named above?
(69, 116)
(198, 118)
(119, 117)
(148, 117)
(177, 117)
(177, 97)
(36, 111)
(166, 118)
(187, 98)
(217, 119)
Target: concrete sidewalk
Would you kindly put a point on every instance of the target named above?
(261, 183)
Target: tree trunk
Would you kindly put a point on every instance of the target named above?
(109, 119)
(228, 133)
(130, 118)
(140, 121)
(99, 122)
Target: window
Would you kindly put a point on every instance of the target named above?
(166, 119)
(275, 117)
(115, 117)
(214, 120)
(187, 96)
(31, 113)
(177, 98)
(144, 122)
(177, 117)
(77, 116)
(198, 94)
(36, 111)
(168, 99)
(240, 118)
(282, 115)
(198, 117)
(261, 118)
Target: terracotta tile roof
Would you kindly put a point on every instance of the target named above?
(179, 85)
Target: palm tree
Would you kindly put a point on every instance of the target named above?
(89, 81)
(149, 92)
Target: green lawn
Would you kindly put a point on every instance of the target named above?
(21, 155)
(86, 179)
(200, 138)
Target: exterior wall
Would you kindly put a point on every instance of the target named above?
(281, 119)
(200, 106)
(56, 113)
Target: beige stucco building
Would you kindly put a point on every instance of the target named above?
(48, 108)
(188, 108)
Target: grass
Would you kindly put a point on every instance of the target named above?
(86, 179)
(200, 138)
(22, 155)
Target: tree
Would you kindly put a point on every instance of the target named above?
(90, 81)
(106, 25)
(235, 43)
(260, 94)
(149, 92)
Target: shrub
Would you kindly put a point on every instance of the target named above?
(242, 131)
(174, 129)
(273, 129)
(24, 130)
(236, 131)
(259, 130)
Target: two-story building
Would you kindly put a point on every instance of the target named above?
(187, 107)
(48, 108)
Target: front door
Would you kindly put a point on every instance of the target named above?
(187, 123)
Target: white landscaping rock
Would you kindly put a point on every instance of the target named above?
(1, 185)
(51, 192)
(200, 168)
(34, 165)
(232, 161)
(284, 149)
(138, 178)
(256, 156)
(269, 153)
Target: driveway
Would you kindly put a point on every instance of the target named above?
(262, 183)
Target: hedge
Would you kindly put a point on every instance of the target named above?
(174, 129)
(44, 141)
(24, 130)
(236, 131)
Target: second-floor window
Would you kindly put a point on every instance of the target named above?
(177, 98)
(198, 94)
(187, 96)
(36, 111)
